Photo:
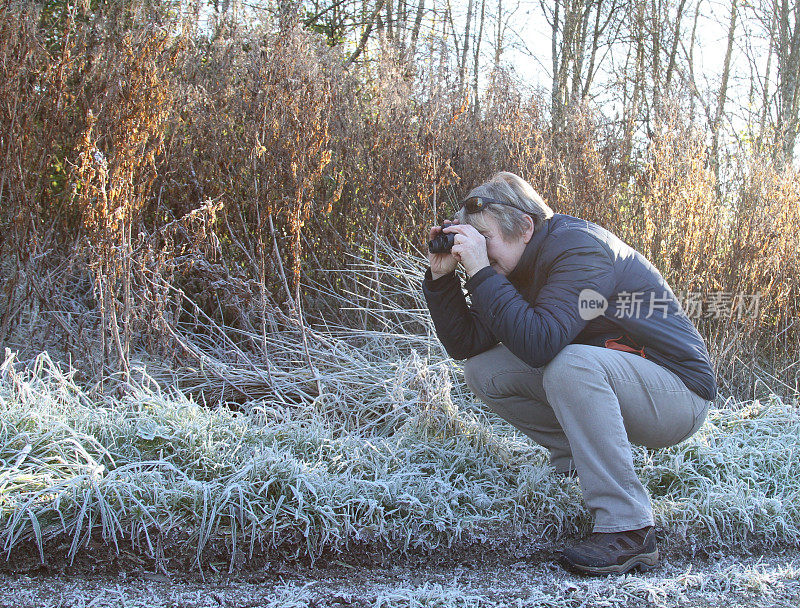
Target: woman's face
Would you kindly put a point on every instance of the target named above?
(503, 255)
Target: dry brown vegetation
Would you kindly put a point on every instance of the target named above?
(151, 176)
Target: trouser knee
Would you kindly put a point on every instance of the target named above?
(477, 376)
(568, 370)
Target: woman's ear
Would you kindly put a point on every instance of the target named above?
(528, 234)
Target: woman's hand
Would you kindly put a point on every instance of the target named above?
(441, 263)
(469, 248)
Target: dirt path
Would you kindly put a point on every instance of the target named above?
(493, 579)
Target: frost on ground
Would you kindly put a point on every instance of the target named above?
(159, 476)
(720, 580)
(154, 478)
(343, 446)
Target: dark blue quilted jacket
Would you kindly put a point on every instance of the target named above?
(570, 270)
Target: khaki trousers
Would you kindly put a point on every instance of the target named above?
(586, 407)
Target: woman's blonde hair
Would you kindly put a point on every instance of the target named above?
(510, 188)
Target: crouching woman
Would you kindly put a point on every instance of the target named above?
(576, 339)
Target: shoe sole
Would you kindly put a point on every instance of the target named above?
(644, 562)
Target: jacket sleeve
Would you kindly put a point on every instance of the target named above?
(537, 332)
(458, 327)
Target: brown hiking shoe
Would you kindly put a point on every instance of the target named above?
(613, 552)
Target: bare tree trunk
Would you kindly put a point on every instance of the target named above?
(579, 46)
(631, 111)
(456, 43)
(402, 15)
(390, 20)
(380, 27)
(417, 24)
(498, 35)
(365, 36)
(463, 64)
(788, 68)
(578, 27)
(593, 57)
(723, 92)
(567, 54)
(765, 96)
(655, 33)
(443, 54)
(555, 98)
(676, 36)
(476, 57)
(690, 54)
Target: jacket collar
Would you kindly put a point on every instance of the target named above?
(523, 272)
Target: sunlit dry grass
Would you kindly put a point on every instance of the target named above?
(151, 173)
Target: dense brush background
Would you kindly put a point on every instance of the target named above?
(215, 233)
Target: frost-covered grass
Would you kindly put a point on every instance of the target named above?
(157, 471)
(342, 438)
(726, 580)
(671, 586)
(160, 470)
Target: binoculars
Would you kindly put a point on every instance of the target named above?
(443, 243)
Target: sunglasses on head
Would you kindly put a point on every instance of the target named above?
(476, 204)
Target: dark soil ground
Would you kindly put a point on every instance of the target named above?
(507, 575)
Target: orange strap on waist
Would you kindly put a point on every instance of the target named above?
(615, 344)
